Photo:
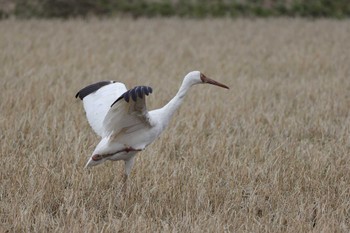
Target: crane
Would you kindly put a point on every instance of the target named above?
(120, 117)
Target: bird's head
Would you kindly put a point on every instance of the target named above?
(196, 77)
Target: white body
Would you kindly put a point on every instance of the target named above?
(127, 123)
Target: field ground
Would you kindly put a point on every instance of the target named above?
(272, 154)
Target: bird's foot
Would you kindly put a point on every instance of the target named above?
(125, 178)
(97, 157)
(129, 148)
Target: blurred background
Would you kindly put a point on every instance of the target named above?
(180, 8)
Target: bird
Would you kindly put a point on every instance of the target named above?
(120, 117)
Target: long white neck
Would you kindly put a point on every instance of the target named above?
(169, 109)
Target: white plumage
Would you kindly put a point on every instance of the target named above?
(97, 105)
(121, 118)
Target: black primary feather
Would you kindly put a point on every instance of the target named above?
(127, 96)
(135, 92)
(91, 89)
(139, 91)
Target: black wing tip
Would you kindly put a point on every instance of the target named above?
(138, 91)
(91, 89)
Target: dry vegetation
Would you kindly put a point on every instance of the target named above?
(272, 154)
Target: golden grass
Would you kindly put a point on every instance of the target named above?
(272, 154)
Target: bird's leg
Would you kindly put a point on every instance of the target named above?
(124, 186)
(128, 166)
(129, 148)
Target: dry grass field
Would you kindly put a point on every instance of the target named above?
(272, 154)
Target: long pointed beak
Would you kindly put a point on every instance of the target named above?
(213, 82)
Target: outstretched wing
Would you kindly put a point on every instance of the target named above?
(128, 113)
(97, 99)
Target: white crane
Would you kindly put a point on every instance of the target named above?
(121, 118)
